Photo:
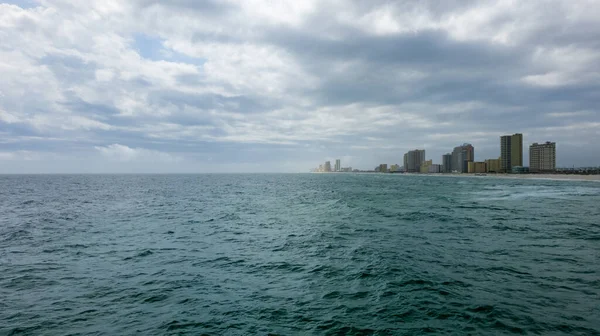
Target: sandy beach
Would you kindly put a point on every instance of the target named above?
(556, 177)
(549, 177)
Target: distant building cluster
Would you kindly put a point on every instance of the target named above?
(457, 161)
(542, 159)
(326, 168)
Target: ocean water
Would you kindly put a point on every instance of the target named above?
(298, 254)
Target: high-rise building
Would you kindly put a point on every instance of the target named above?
(511, 152)
(327, 166)
(493, 165)
(516, 150)
(383, 168)
(447, 163)
(505, 149)
(420, 158)
(338, 165)
(394, 168)
(542, 157)
(461, 156)
(413, 160)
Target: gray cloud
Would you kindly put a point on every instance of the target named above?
(289, 84)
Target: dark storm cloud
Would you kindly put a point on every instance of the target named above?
(428, 48)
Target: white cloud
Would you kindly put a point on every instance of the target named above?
(552, 79)
(52, 123)
(284, 12)
(570, 114)
(124, 153)
(8, 118)
(104, 75)
(22, 155)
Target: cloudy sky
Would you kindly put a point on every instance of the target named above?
(265, 85)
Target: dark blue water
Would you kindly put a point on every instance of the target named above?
(298, 254)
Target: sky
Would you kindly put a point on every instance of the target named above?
(182, 86)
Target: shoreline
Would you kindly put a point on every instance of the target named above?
(553, 177)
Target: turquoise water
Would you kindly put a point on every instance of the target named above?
(298, 254)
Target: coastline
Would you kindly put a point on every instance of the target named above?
(554, 177)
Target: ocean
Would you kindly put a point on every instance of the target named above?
(298, 254)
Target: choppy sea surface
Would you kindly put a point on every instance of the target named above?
(297, 254)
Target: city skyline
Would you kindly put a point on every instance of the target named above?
(542, 158)
(262, 86)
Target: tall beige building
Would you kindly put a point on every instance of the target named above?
(511, 152)
(542, 157)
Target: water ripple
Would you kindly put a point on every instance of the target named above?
(338, 254)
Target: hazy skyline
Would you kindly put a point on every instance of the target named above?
(251, 86)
